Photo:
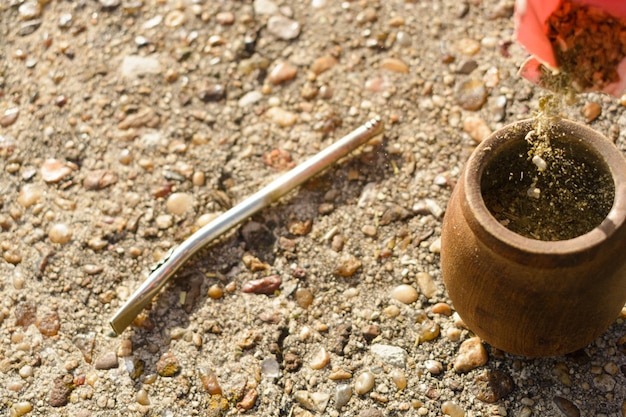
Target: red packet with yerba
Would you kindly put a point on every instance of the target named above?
(577, 45)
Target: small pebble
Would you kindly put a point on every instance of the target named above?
(395, 65)
(282, 72)
(492, 386)
(270, 368)
(9, 116)
(471, 94)
(441, 308)
(211, 92)
(347, 266)
(164, 221)
(266, 285)
(283, 27)
(451, 409)
(167, 365)
(62, 387)
(604, 382)
(304, 297)
(12, 256)
(248, 401)
(215, 291)
(404, 293)
(468, 46)
(210, 382)
(106, 361)
(568, 408)
(225, 18)
(49, 323)
(54, 170)
(399, 378)
(371, 412)
(391, 355)
(281, 117)
(364, 383)
(179, 203)
(125, 348)
(323, 63)
(174, 19)
(433, 366)
(320, 359)
(30, 194)
(426, 284)
(343, 393)
(591, 111)
(142, 397)
(472, 354)
(429, 330)
(60, 233)
(369, 230)
(20, 408)
(476, 127)
(30, 9)
(26, 371)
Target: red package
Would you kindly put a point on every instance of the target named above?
(582, 41)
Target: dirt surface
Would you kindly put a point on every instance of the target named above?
(124, 125)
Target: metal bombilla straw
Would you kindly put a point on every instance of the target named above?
(176, 257)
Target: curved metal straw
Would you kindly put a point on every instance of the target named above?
(176, 257)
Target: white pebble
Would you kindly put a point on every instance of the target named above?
(451, 409)
(29, 194)
(364, 383)
(404, 293)
(179, 203)
(533, 192)
(320, 359)
(60, 233)
(540, 163)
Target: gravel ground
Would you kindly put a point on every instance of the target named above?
(125, 125)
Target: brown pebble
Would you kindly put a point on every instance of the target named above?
(225, 18)
(471, 94)
(209, 381)
(54, 170)
(60, 233)
(99, 179)
(395, 65)
(339, 374)
(427, 284)
(304, 297)
(282, 72)
(91, 269)
(85, 343)
(568, 408)
(48, 324)
(472, 354)
(371, 332)
(476, 127)
(248, 401)
(167, 365)
(62, 387)
(492, 386)
(404, 293)
(125, 348)
(9, 117)
(215, 292)
(266, 285)
(347, 266)
(441, 308)
(591, 111)
(12, 256)
(25, 314)
(107, 361)
(323, 63)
